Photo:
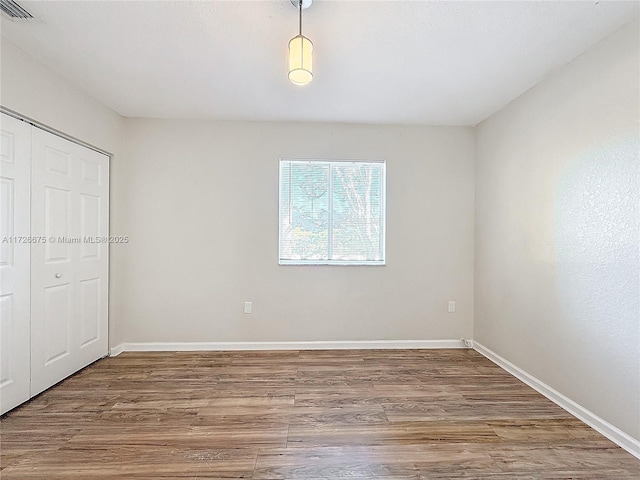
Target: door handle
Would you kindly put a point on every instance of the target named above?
(58, 275)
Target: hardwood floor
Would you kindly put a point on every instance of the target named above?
(389, 415)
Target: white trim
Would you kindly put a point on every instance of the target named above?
(613, 433)
(46, 128)
(117, 350)
(345, 263)
(326, 345)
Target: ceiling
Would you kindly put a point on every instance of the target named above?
(383, 62)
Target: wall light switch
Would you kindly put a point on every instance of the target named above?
(247, 307)
(452, 306)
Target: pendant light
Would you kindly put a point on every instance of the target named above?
(300, 48)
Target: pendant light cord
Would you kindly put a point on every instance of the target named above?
(300, 9)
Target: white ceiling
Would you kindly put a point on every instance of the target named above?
(390, 62)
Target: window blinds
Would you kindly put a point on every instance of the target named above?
(332, 212)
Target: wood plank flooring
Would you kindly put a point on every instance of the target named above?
(307, 415)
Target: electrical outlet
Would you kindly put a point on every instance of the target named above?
(452, 306)
(247, 307)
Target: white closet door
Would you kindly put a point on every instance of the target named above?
(15, 166)
(69, 273)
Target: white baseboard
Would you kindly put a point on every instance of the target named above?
(323, 345)
(117, 350)
(613, 433)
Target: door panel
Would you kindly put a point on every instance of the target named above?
(6, 354)
(92, 172)
(90, 226)
(57, 321)
(69, 271)
(90, 310)
(15, 158)
(57, 161)
(57, 209)
(7, 198)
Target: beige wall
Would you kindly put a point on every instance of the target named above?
(202, 214)
(34, 91)
(557, 231)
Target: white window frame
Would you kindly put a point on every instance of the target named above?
(383, 216)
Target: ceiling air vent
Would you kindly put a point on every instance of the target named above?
(14, 10)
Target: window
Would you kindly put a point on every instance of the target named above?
(332, 213)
